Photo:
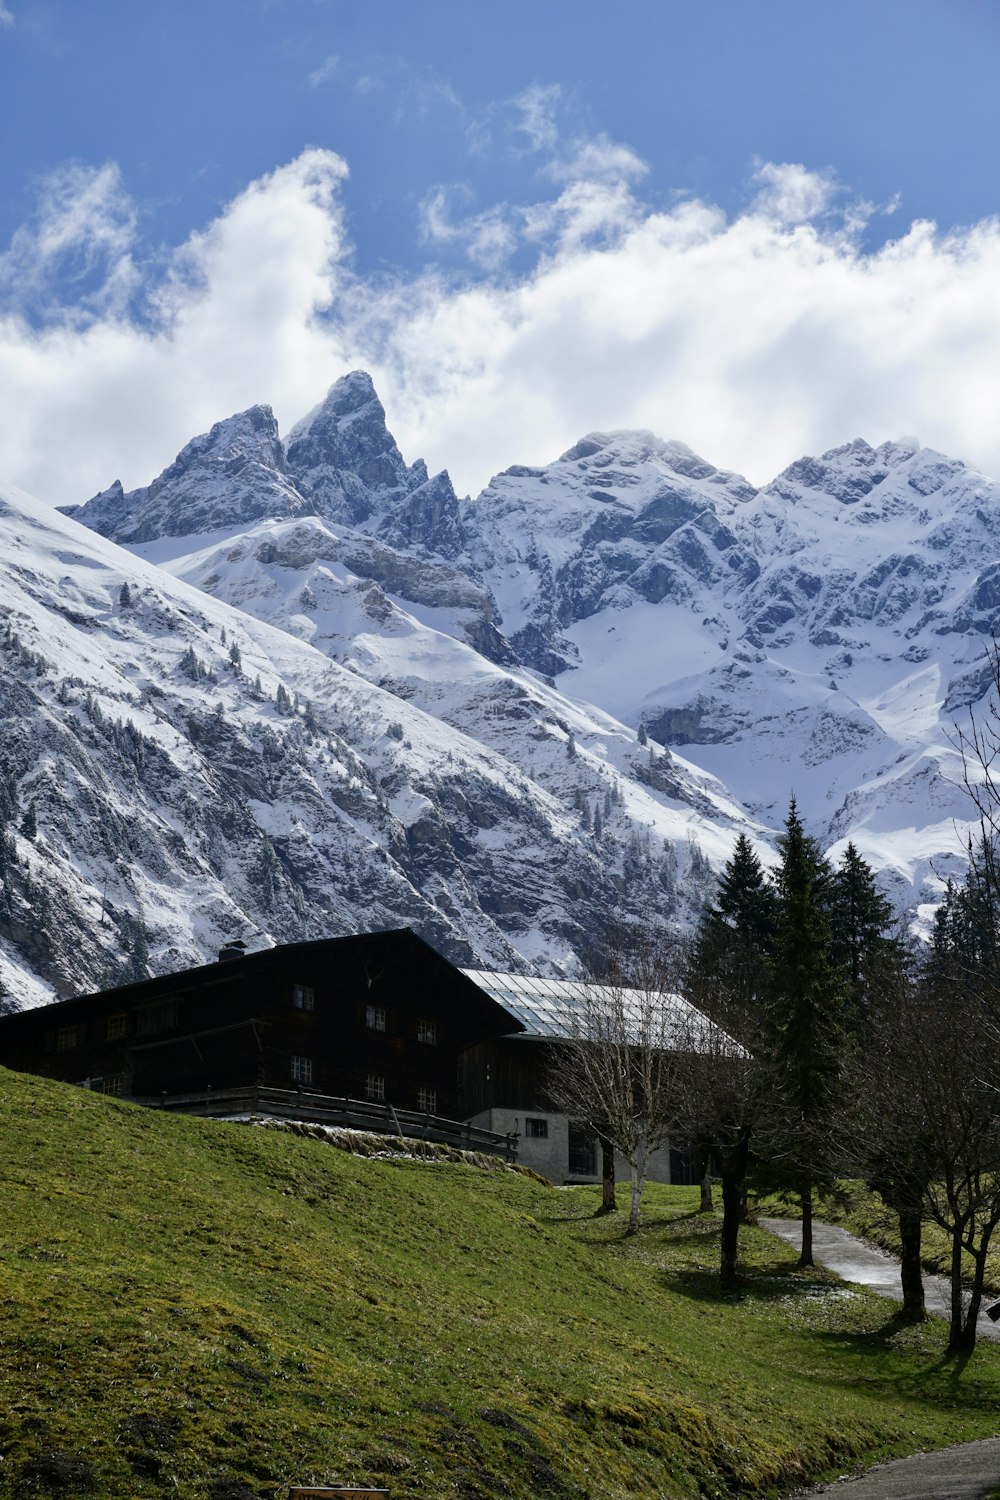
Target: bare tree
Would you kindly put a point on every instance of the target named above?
(959, 1081)
(615, 1068)
(725, 1095)
(882, 1114)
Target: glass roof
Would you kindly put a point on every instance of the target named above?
(559, 1007)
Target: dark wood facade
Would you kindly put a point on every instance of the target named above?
(379, 1016)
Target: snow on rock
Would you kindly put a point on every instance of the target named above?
(471, 676)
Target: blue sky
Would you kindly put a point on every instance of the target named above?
(528, 219)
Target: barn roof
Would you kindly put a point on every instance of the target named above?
(560, 1007)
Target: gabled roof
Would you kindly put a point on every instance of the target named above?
(559, 1007)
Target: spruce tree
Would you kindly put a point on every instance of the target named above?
(860, 918)
(806, 1007)
(736, 934)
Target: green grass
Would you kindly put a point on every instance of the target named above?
(195, 1309)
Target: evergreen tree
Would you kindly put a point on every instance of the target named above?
(860, 918)
(643, 737)
(29, 823)
(125, 597)
(570, 745)
(235, 657)
(805, 1007)
(736, 936)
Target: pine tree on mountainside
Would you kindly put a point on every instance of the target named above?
(29, 823)
(805, 1012)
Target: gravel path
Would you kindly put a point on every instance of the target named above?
(968, 1472)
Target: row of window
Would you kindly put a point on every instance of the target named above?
(376, 1020)
(302, 1073)
(151, 1020)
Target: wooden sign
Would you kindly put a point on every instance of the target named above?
(321, 1492)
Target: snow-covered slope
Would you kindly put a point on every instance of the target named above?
(196, 772)
(477, 672)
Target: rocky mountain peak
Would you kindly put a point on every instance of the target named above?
(344, 455)
(231, 475)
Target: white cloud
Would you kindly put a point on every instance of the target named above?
(789, 193)
(6, 15)
(536, 111)
(488, 239)
(324, 71)
(83, 232)
(755, 338)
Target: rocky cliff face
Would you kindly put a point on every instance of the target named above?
(193, 773)
(432, 712)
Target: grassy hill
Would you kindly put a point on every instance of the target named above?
(202, 1310)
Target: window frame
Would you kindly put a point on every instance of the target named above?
(427, 1031)
(376, 1018)
(536, 1128)
(300, 1069)
(303, 997)
(375, 1088)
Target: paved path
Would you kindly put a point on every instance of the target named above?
(968, 1472)
(853, 1260)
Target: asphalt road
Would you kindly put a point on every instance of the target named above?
(968, 1472)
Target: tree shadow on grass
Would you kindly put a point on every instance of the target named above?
(768, 1282)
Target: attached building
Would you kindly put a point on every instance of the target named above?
(505, 1081)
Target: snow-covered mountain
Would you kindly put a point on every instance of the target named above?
(338, 696)
(183, 771)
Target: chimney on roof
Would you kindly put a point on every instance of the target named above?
(235, 948)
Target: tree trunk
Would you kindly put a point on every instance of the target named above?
(609, 1203)
(956, 1336)
(975, 1301)
(705, 1179)
(734, 1171)
(806, 1198)
(911, 1276)
(637, 1168)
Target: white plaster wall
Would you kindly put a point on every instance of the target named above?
(550, 1157)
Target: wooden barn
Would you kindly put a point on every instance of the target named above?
(365, 1030)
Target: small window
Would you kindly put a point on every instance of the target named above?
(155, 1019)
(375, 1087)
(116, 1027)
(427, 1031)
(427, 1099)
(536, 1130)
(113, 1083)
(303, 997)
(302, 1070)
(67, 1037)
(375, 1017)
